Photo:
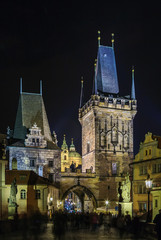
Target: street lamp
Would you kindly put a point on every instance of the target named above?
(148, 184)
(106, 202)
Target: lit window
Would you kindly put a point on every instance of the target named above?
(37, 194)
(142, 207)
(23, 194)
(114, 168)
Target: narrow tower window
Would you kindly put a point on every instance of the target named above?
(88, 147)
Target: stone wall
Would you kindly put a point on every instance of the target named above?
(42, 157)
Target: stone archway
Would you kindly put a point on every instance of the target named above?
(83, 193)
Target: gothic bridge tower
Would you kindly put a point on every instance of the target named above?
(107, 128)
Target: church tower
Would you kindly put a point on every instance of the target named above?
(107, 126)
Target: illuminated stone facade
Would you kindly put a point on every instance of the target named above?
(107, 141)
(33, 147)
(107, 130)
(36, 154)
(147, 161)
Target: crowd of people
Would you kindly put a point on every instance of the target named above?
(106, 222)
(63, 222)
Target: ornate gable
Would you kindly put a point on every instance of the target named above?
(35, 138)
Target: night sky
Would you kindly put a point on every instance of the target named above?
(56, 42)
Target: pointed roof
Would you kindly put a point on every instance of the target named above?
(64, 145)
(133, 86)
(31, 109)
(106, 74)
(72, 147)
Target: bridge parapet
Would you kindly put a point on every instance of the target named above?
(76, 175)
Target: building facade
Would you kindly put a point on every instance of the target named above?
(147, 163)
(107, 128)
(33, 147)
(33, 192)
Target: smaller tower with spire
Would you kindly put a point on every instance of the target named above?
(64, 155)
(133, 85)
(81, 95)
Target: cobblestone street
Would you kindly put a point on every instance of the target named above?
(83, 234)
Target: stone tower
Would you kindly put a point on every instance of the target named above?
(107, 128)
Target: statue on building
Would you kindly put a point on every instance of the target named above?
(126, 188)
(12, 207)
(72, 167)
(120, 192)
(13, 192)
(54, 136)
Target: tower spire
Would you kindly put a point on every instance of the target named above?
(41, 87)
(20, 85)
(95, 80)
(133, 85)
(112, 39)
(81, 95)
(99, 38)
(64, 145)
(72, 147)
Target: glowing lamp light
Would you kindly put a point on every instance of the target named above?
(107, 202)
(51, 199)
(148, 182)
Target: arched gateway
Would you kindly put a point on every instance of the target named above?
(86, 197)
(77, 189)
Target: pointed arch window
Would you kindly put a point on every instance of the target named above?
(103, 140)
(114, 135)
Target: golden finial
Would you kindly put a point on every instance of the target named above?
(132, 69)
(112, 39)
(71, 140)
(99, 38)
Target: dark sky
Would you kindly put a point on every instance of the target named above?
(56, 42)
